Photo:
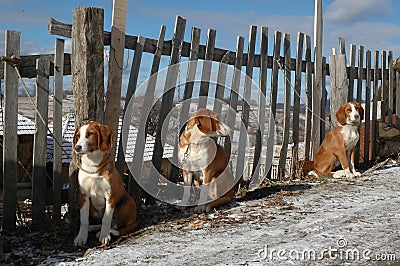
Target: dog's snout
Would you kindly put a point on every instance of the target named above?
(78, 148)
(356, 115)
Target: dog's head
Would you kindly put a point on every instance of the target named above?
(91, 137)
(350, 113)
(206, 123)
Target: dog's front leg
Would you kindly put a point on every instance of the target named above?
(202, 206)
(81, 239)
(351, 159)
(105, 236)
(188, 180)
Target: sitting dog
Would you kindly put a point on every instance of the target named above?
(203, 161)
(338, 145)
(100, 185)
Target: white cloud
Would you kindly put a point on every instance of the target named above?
(349, 11)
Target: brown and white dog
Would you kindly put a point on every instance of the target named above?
(338, 145)
(205, 162)
(101, 189)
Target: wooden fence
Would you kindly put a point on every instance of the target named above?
(284, 79)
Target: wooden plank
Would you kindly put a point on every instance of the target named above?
(57, 127)
(150, 47)
(374, 130)
(233, 98)
(221, 83)
(257, 177)
(397, 97)
(339, 89)
(127, 111)
(324, 100)
(10, 138)
(286, 110)
(367, 110)
(27, 66)
(39, 174)
(248, 82)
(383, 85)
(359, 93)
(390, 88)
(187, 94)
(115, 68)
(316, 99)
(169, 89)
(352, 72)
(147, 105)
(308, 126)
(342, 45)
(273, 99)
(87, 81)
(296, 100)
(206, 72)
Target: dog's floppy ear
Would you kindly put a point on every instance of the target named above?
(75, 139)
(341, 115)
(360, 111)
(105, 138)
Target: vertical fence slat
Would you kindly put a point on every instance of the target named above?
(352, 72)
(57, 127)
(207, 65)
(10, 137)
(367, 110)
(187, 94)
(147, 105)
(287, 105)
(132, 85)
(324, 99)
(397, 97)
(273, 98)
(221, 82)
(383, 86)
(296, 101)
(375, 96)
(359, 94)
(390, 88)
(261, 112)
(309, 84)
(169, 89)
(234, 94)
(115, 68)
(241, 159)
(39, 180)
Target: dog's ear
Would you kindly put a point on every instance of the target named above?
(105, 138)
(204, 123)
(360, 111)
(75, 139)
(341, 114)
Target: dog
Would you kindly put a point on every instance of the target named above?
(338, 145)
(203, 161)
(102, 192)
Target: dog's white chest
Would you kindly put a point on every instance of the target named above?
(350, 136)
(96, 187)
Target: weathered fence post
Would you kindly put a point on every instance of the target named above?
(339, 86)
(115, 67)
(39, 184)
(57, 127)
(10, 138)
(87, 78)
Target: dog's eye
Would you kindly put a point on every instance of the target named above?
(90, 134)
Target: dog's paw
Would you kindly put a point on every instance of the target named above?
(356, 174)
(202, 208)
(105, 238)
(81, 239)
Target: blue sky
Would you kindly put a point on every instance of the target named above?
(374, 24)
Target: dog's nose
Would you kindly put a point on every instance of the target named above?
(78, 148)
(356, 116)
